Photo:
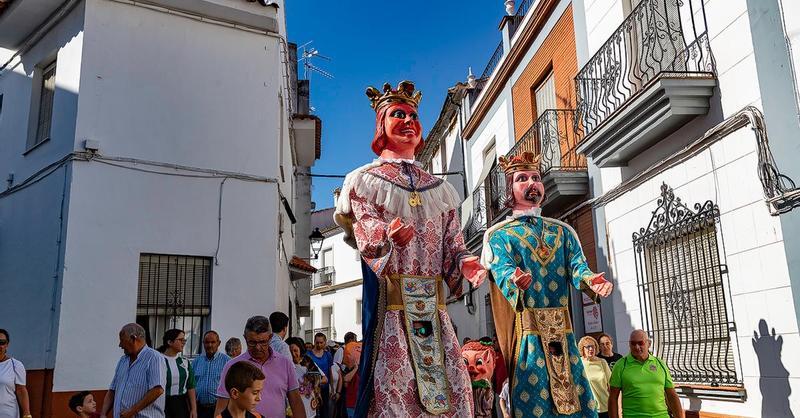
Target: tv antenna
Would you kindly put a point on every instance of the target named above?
(309, 53)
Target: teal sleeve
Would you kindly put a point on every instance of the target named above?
(578, 267)
(503, 266)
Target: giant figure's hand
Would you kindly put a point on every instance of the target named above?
(400, 233)
(473, 271)
(601, 286)
(521, 279)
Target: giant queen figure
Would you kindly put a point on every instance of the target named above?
(534, 262)
(404, 222)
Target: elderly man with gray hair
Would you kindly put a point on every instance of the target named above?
(137, 390)
(645, 383)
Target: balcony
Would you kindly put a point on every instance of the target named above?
(481, 82)
(564, 174)
(478, 220)
(518, 17)
(495, 184)
(324, 276)
(653, 75)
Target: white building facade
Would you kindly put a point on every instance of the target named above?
(685, 114)
(149, 151)
(336, 292)
(694, 215)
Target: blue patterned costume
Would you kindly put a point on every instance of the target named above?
(550, 251)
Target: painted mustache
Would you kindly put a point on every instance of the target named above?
(532, 194)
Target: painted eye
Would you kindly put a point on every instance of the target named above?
(414, 116)
(479, 362)
(466, 363)
(399, 114)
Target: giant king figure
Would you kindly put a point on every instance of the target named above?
(404, 222)
(534, 261)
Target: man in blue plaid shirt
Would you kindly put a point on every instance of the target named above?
(207, 371)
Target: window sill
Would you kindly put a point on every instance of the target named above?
(732, 394)
(39, 144)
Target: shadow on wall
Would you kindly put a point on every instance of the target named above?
(774, 380)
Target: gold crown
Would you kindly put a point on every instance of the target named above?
(527, 161)
(404, 93)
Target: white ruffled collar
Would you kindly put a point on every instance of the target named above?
(528, 212)
(398, 161)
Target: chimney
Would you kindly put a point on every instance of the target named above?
(336, 192)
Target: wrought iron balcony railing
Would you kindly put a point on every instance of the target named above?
(476, 91)
(553, 136)
(516, 20)
(497, 196)
(324, 276)
(478, 219)
(493, 61)
(658, 37)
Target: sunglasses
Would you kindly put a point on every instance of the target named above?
(3, 342)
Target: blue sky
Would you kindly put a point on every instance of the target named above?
(371, 42)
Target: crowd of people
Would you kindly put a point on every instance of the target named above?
(278, 376)
(274, 376)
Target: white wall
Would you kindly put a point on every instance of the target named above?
(30, 220)
(158, 87)
(347, 265)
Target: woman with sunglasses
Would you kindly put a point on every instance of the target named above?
(13, 393)
(181, 401)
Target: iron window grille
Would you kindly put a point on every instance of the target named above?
(680, 275)
(174, 292)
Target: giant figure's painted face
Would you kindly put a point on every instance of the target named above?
(479, 360)
(398, 129)
(527, 189)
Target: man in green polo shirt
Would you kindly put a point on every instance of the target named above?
(645, 383)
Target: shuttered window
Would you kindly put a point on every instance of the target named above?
(46, 94)
(174, 292)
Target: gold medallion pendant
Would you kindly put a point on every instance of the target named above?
(415, 199)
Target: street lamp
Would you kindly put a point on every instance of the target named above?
(316, 238)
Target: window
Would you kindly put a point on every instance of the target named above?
(443, 155)
(44, 110)
(549, 144)
(358, 311)
(680, 278)
(174, 292)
